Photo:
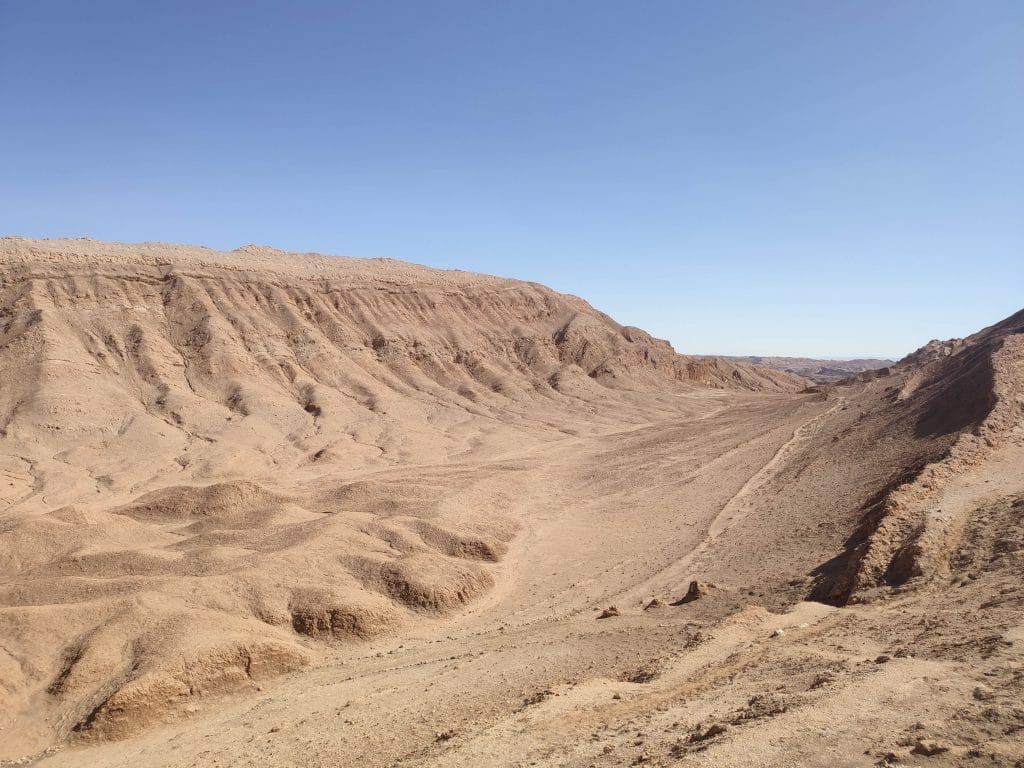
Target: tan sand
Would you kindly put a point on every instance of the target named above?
(261, 508)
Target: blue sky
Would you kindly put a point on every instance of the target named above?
(818, 178)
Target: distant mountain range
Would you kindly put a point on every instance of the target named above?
(820, 371)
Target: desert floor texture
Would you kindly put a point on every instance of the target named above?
(269, 509)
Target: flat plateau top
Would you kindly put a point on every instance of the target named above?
(77, 252)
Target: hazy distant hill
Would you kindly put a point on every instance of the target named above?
(821, 371)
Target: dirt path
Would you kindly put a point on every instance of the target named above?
(731, 513)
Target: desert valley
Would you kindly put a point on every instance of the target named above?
(263, 508)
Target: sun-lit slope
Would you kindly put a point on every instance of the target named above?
(418, 486)
(965, 399)
(850, 505)
(182, 437)
(768, 497)
(262, 359)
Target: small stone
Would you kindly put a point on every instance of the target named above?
(822, 678)
(982, 693)
(710, 733)
(608, 612)
(928, 748)
(883, 659)
(778, 632)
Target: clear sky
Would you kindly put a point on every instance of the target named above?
(817, 178)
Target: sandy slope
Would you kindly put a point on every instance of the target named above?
(264, 509)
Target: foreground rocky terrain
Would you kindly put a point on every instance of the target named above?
(275, 509)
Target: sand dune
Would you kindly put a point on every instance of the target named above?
(280, 509)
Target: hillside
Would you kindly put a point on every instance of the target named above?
(182, 431)
(278, 509)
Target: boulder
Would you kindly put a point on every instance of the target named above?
(697, 590)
